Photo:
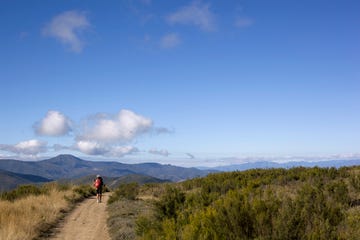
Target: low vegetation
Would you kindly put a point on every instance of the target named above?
(124, 208)
(125, 191)
(299, 203)
(29, 211)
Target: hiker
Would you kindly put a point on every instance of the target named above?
(98, 184)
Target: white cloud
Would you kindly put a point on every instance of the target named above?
(243, 22)
(105, 134)
(102, 135)
(30, 147)
(170, 40)
(94, 148)
(196, 14)
(90, 148)
(67, 27)
(124, 127)
(159, 152)
(120, 151)
(53, 124)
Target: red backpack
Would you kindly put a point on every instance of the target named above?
(98, 183)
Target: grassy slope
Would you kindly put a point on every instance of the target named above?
(29, 214)
(299, 203)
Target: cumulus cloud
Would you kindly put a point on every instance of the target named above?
(159, 152)
(53, 124)
(67, 28)
(90, 148)
(170, 40)
(30, 147)
(102, 134)
(196, 14)
(94, 148)
(243, 22)
(120, 151)
(123, 127)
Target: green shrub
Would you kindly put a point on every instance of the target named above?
(170, 203)
(80, 193)
(299, 203)
(127, 190)
(85, 191)
(21, 192)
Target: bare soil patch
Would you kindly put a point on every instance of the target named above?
(86, 221)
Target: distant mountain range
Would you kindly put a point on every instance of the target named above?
(10, 180)
(291, 164)
(71, 167)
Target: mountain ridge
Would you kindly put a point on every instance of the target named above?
(271, 164)
(69, 166)
(11, 180)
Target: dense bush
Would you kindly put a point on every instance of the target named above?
(127, 190)
(80, 193)
(21, 192)
(85, 191)
(170, 204)
(299, 203)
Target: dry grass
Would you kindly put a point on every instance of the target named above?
(25, 218)
(123, 215)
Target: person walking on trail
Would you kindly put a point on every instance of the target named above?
(98, 184)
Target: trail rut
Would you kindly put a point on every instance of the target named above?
(86, 221)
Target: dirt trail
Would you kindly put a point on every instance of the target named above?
(86, 221)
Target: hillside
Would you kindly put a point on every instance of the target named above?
(68, 166)
(297, 203)
(11, 180)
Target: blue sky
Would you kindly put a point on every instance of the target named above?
(188, 83)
